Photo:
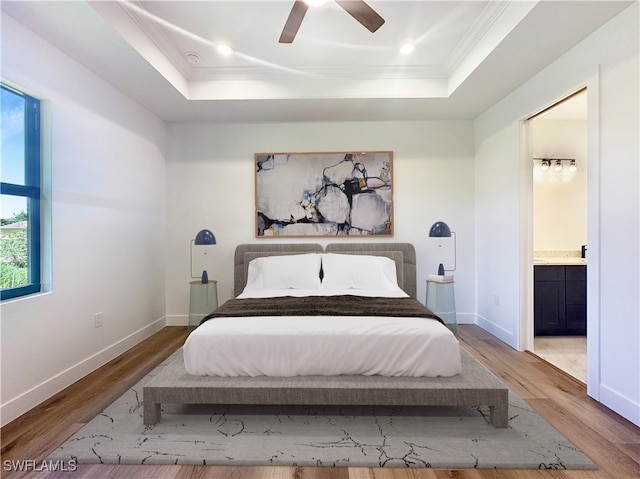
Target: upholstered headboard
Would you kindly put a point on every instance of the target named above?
(402, 253)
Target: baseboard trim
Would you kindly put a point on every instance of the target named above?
(498, 331)
(26, 401)
(622, 405)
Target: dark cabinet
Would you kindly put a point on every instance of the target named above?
(560, 300)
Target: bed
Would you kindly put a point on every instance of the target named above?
(442, 383)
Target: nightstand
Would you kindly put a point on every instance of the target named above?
(441, 300)
(203, 300)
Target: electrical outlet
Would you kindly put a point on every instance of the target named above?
(496, 300)
(97, 320)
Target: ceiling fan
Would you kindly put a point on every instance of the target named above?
(358, 9)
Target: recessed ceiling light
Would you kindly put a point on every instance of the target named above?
(224, 49)
(407, 48)
(193, 58)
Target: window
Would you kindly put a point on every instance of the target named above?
(20, 191)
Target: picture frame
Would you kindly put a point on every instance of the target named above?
(324, 194)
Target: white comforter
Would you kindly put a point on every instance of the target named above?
(321, 345)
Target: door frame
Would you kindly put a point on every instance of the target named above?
(526, 333)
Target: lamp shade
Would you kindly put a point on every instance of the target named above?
(440, 229)
(205, 237)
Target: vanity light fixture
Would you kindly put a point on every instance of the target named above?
(558, 166)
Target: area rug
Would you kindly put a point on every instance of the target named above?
(356, 436)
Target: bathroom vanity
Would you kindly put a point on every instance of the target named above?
(560, 297)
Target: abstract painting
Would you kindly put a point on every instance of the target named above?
(324, 194)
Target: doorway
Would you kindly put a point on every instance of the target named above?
(558, 141)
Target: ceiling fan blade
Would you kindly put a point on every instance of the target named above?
(362, 12)
(293, 22)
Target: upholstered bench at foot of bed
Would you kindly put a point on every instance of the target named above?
(475, 386)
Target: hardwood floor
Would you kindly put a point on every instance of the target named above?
(612, 442)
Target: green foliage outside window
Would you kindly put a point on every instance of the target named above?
(13, 252)
(17, 218)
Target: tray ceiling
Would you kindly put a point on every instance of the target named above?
(468, 54)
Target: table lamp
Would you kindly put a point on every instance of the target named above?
(204, 237)
(440, 229)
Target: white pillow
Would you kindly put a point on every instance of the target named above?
(296, 271)
(350, 271)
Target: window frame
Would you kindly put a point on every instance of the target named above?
(31, 190)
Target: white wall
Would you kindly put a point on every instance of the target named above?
(607, 63)
(210, 171)
(560, 198)
(108, 228)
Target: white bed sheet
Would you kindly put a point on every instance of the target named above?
(322, 345)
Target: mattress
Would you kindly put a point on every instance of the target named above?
(286, 346)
